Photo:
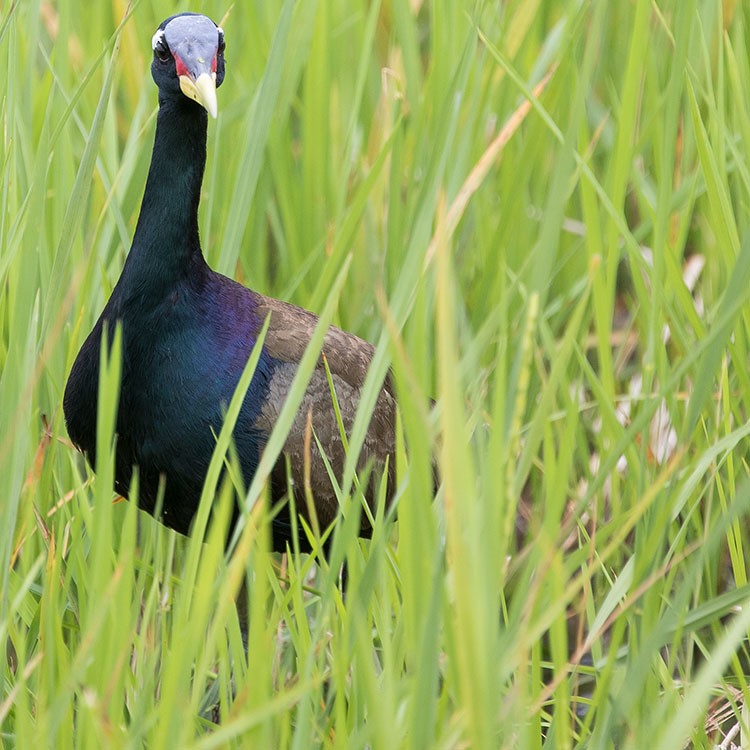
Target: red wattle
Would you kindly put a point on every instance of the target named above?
(180, 66)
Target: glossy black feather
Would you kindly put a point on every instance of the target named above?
(188, 332)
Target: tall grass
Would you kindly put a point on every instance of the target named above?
(538, 210)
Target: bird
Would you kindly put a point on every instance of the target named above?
(188, 331)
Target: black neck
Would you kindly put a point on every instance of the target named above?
(166, 242)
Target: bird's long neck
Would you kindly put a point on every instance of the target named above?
(166, 244)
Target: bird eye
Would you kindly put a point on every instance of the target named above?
(160, 46)
(161, 50)
(222, 43)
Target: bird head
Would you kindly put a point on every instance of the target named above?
(189, 58)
